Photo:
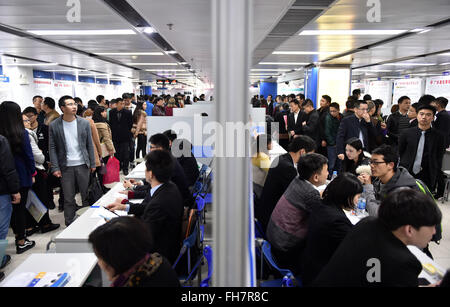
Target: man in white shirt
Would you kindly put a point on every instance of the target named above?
(71, 155)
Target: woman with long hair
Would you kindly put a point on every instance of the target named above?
(170, 105)
(139, 129)
(354, 156)
(12, 128)
(328, 224)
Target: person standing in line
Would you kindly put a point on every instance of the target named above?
(9, 196)
(294, 119)
(121, 122)
(422, 148)
(323, 111)
(331, 126)
(139, 129)
(39, 186)
(37, 102)
(71, 155)
(310, 122)
(11, 127)
(398, 121)
(158, 109)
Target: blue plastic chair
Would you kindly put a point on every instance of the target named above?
(288, 280)
(207, 254)
(188, 243)
(259, 230)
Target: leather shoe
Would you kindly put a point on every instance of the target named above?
(49, 227)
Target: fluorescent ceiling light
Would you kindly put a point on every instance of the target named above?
(130, 53)
(182, 63)
(408, 64)
(275, 69)
(300, 52)
(149, 30)
(445, 54)
(37, 64)
(165, 70)
(83, 32)
(282, 63)
(351, 32)
(373, 70)
(171, 52)
(153, 64)
(445, 63)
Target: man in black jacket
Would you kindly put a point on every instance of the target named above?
(358, 125)
(422, 148)
(398, 121)
(282, 118)
(282, 171)
(323, 111)
(442, 123)
(295, 118)
(375, 252)
(121, 122)
(310, 122)
(162, 209)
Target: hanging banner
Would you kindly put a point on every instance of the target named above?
(438, 87)
(43, 87)
(407, 87)
(381, 90)
(62, 88)
(86, 91)
(5, 88)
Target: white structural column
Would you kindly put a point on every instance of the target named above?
(231, 23)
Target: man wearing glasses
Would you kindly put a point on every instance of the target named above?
(71, 155)
(358, 125)
(389, 176)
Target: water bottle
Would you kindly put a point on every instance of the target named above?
(361, 210)
(334, 175)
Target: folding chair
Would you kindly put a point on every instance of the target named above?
(207, 254)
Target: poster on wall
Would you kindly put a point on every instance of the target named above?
(62, 88)
(438, 87)
(382, 90)
(5, 88)
(359, 85)
(407, 87)
(43, 87)
(86, 91)
(293, 87)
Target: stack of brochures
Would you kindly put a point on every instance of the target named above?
(42, 279)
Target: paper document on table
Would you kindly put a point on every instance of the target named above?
(103, 213)
(42, 279)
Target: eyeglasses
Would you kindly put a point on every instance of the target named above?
(376, 162)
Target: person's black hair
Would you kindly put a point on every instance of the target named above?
(350, 104)
(125, 96)
(400, 100)
(295, 101)
(97, 116)
(263, 139)
(302, 142)
(442, 102)
(415, 106)
(348, 164)
(285, 106)
(62, 100)
(92, 104)
(11, 125)
(389, 154)
(99, 98)
(292, 96)
(30, 110)
(426, 99)
(171, 135)
(310, 164)
(308, 102)
(356, 92)
(113, 101)
(341, 191)
(378, 102)
(367, 97)
(50, 102)
(125, 233)
(302, 97)
(37, 96)
(161, 164)
(161, 140)
(327, 98)
(405, 206)
(426, 107)
(358, 103)
(78, 100)
(335, 105)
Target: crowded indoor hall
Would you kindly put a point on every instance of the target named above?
(213, 143)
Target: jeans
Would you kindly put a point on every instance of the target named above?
(5, 215)
(71, 176)
(332, 156)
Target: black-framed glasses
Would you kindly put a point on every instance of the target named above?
(376, 162)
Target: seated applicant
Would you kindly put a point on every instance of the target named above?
(140, 265)
(162, 209)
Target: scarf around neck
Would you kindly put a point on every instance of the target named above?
(146, 267)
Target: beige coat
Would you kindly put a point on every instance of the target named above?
(104, 132)
(96, 140)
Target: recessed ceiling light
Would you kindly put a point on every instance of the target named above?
(130, 53)
(282, 63)
(83, 32)
(301, 52)
(351, 32)
(153, 64)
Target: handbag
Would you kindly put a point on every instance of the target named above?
(112, 171)
(95, 191)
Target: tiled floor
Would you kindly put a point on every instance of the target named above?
(440, 252)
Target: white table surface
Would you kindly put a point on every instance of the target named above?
(75, 237)
(78, 265)
(138, 172)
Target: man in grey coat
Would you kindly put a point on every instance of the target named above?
(71, 155)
